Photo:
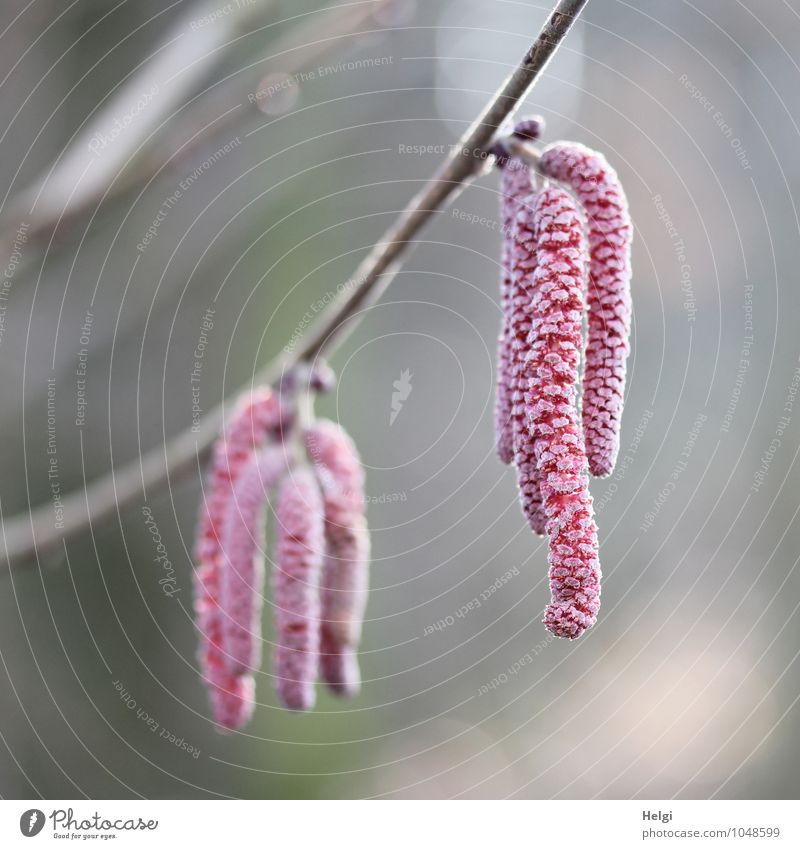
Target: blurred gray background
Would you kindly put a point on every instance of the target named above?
(688, 685)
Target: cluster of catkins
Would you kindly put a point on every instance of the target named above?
(552, 277)
(566, 258)
(319, 566)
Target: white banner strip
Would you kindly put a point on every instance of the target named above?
(401, 824)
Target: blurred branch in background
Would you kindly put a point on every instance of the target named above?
(163, 115)
(218, 107)
(29, 535)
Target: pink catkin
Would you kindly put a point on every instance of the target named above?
(345, 577)
(552, 369)
(610, 233)
(515, 188)
(520, 310)
(256, 420)
(296, 588)
(242, 580)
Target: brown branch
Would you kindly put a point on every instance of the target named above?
(34, 533)
(465, 159)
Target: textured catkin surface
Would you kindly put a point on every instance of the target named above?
(519, 310)
(552, 373)
(610, 232)
(296, 588)
(253, 423)
(345, 577)
(241, 586)
(515, 187)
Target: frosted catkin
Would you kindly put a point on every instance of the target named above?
(255, 421)
(345, 579)
(296, 576)
(552, 368)
(598, 188)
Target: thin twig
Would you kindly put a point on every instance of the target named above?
(34, 533)
(374, 274)
(523, 150)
